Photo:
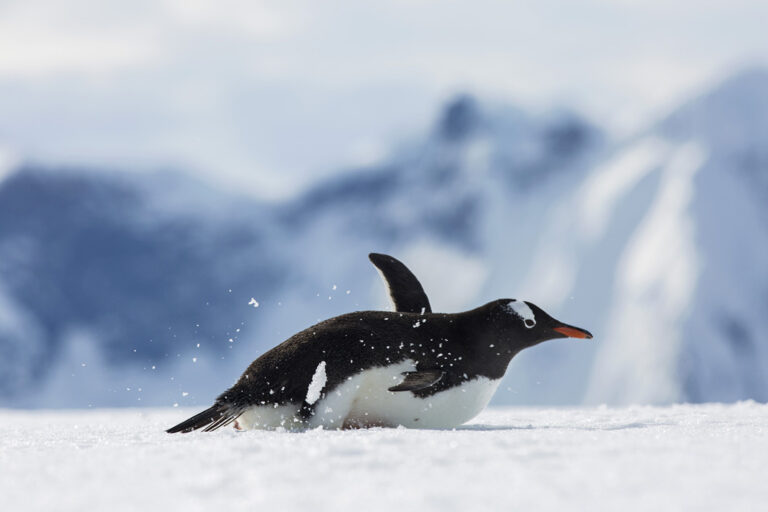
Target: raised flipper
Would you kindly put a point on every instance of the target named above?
(404, 289)
(418, 380)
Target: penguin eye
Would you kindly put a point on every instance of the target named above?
(529, 323)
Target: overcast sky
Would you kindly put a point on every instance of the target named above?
(266, 96)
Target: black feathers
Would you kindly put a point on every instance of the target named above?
(405, 290)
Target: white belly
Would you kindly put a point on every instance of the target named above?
(364, 400)
(269, 417)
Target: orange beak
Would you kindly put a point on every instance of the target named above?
(573, 332)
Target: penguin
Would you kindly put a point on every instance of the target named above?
(411, 367)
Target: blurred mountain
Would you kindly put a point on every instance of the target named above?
(666, 243)
(117, 289)
(86, 255)
(691, 288)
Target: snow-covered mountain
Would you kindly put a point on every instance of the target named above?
(117, 289)
(692, 281)
(669, 238)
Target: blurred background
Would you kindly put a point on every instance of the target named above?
(185, 184)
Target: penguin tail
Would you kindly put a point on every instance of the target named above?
(219, 415)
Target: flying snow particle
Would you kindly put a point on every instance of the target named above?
(184, 393)
(253, 303)
(318, 383)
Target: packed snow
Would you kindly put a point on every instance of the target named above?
(681, 457)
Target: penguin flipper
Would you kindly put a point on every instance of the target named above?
(218, 415)
(405, 290)
(418, 380)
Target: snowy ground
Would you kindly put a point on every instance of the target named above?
(687, 457)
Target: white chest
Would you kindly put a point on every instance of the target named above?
(364, 401)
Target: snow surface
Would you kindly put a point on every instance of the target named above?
(681, 457)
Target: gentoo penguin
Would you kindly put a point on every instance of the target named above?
(411, 367)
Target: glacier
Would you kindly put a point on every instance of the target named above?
(120, 289)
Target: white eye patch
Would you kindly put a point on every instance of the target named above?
(522, 310)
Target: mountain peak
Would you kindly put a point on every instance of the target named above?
(749, 81)
(734, 113)
(459, 118)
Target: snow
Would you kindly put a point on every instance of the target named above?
(681, 457)
(318, 383)
(655, 251)
(9, 160)
(608, 182)
(656, 281)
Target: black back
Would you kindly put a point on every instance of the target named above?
(463, 346)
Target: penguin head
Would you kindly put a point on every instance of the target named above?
(525, 324)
